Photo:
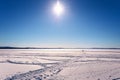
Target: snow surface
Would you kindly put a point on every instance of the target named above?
(8, 69)
(60, 64)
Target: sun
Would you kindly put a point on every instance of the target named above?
(58, 9)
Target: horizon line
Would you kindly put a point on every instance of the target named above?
(11, 47)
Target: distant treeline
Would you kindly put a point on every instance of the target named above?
(50, 48)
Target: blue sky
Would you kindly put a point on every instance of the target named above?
(85, 23)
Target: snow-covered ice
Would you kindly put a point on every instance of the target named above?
(60, 64)
(8, 69)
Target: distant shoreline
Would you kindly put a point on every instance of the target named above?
(50, 48)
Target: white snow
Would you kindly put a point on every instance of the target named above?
(90, 71)
(8, 69)
(60, 64)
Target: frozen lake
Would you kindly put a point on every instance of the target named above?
(8, 69)
(57, 64)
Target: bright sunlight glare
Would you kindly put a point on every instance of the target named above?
(58, 9)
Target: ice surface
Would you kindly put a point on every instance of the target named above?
(8, 69)
(60, 64)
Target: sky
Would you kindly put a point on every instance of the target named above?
(84, 23)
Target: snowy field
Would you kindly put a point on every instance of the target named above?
(59, 64)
